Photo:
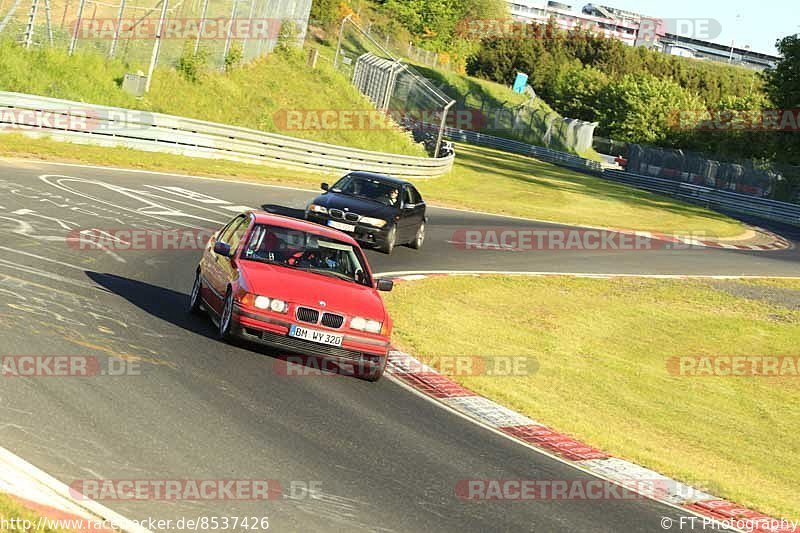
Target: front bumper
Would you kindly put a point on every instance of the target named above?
(274, 332)
(364, 234)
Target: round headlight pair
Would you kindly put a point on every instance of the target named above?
(273, 304)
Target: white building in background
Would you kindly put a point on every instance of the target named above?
(635, 29)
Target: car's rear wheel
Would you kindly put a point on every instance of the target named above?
(419, 238)
(226, 318)
(195, 300)
(391, 239)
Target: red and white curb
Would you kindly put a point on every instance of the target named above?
(776, 241)
(53, 501)
(425, 380)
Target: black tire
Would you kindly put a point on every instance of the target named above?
(391, 240)
(226, 317)
(419, 239)
(371, 372)
(195, 300)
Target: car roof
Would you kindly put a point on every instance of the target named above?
(262, 217)
(380, 177)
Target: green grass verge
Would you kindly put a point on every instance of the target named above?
(250, 96)
(500, 182)
(482, 179)
(9, 509)
(602, 348)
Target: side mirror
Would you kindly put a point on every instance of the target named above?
(384, 285)
(223, 249)
(324, 186)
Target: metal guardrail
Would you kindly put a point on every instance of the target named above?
(712, 198)
(708, 197)
(545, 154)
(109, 126)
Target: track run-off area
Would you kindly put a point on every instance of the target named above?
(349, 455)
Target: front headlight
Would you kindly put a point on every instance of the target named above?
(262, 302)
(314, 208)
(378, 223)
(278, 306)
(273, 304)
(362, 324)
(373, 326)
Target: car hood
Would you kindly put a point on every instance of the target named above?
(367, 208)
(306, 288)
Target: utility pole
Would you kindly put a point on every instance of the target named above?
(202, 27)
(339, 44)
(77, 28)
(113, 47)
(156, 46)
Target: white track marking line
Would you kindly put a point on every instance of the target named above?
(45, 178)
(42, 258)
(21, 472)
(411, 275)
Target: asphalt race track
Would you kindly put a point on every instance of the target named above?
(379, 457)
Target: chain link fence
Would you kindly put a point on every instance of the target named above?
(219, 30)
(392, 85)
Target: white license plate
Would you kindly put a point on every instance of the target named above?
(340, 226)
(314, 335)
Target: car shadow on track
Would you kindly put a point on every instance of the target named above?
(172, 306)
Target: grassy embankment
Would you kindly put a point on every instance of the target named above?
(602, 348)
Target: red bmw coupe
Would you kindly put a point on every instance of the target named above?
(297, 286)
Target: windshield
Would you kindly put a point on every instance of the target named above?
(369, 189)
(306, 251)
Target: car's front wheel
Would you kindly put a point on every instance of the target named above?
(226, 318)
(391, 239)
(195, 300)
(419, 238)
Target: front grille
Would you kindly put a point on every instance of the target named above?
(304, 314)
(338, 213)
(332, 321)
(309, 348)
